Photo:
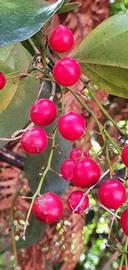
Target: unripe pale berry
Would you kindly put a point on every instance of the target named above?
(48, 207)
(112, 194)
(124, 221)
(71, 126)
(43, 112)
(77, 202)
(2, 80)
(67, 169)
(61, 39)
(66, 71)
(76, 154)
(86, 173)
(124, 155)
(34, 140)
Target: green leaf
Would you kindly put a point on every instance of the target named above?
(34, 233)
(103, 55)
(18, 94)
(68, 7)
(13, 60)
(19, 20)
(52, 182)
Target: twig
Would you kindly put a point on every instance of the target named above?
(41, 182)
(33, 46)
(14, 135)
(108, 210)
(12, 158)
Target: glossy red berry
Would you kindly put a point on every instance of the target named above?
(34, 140)
(86, 173)
(124, 221)
(124, 155)
(71, 126)
(112, 194)
(48, 207)
(2, 80)
(77, 202)
(67, 169)
(61, 39)
(43, 112)
(66, 71)
(76, 154)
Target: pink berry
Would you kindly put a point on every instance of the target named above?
(112, 194)
(66, 71)
(124, 155)
(77, 202)
(2, 80)
(48, 207)
(71, 126)
(34, 140)
(61, 39)
(86, 173)
(67, 169)
(76, 154)
(43, 112)
(124, 221)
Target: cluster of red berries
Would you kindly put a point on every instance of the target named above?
(66, 71)
(79, 169)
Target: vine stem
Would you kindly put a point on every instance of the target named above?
(13, 232)
(123, 254)
(48, 167)
(33, 46)
(14, 136)
(100, 126)
(109, 162)
(93, 96)
(114, 214)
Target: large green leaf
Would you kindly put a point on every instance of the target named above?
(19, 94)
(103, 55)
(19, 20)
(13, 60)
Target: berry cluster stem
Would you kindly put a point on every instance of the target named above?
(48, 167)
(93, 96)
(123, 253)
(100, 126)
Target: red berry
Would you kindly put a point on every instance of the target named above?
(112, 194)
(124, 221)
(86, 173)
(76, 154)
(34, 140)
(2, 80)
(43, 112)
(77, 202)
(66, 71)
(124, 155)
(71, 126)
(48, 207)
(67, 169)
(61, 39)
